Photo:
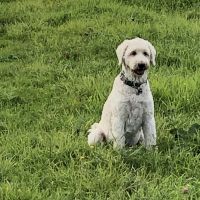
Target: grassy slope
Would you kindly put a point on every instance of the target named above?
(57, 64)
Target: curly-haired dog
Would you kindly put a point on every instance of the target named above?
(128, 113)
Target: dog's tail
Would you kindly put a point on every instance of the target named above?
(96, 134)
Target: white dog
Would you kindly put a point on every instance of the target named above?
(128, 113)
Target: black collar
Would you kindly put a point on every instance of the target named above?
(133, 84)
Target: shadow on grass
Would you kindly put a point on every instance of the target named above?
(171, 156)
(188, 138)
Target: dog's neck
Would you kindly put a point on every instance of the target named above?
(133, 81)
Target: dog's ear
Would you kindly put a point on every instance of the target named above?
(121, 50)
(153, 53)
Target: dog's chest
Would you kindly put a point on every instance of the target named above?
(135, 113)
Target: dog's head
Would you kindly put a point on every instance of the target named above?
(136, 55)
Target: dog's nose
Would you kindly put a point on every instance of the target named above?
(141, 66)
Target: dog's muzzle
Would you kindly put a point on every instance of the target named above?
(140, 69)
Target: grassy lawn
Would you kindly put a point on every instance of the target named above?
(57, 66)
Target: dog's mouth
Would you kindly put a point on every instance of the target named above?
(139, 71)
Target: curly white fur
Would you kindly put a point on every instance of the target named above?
(128, 117)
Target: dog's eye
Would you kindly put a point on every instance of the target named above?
(145, 53)
(133, 53)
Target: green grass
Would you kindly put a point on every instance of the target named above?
(57, 65)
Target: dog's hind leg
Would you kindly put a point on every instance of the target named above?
(96, 134)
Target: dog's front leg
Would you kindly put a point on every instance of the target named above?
(149, 130)
(118, 128)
